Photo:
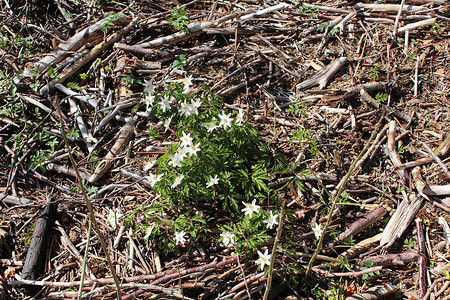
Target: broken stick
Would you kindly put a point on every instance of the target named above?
(321, 78)
(37, 252)
(122, 141)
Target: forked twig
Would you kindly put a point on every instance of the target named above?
(394, 32)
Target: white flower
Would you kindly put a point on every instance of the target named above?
(113, 217)
(187, 81)
(271, 220)
(212, 181)
(167, 123)
(149, 231)
(193, 108)
(317, 230)
(183, 152)
(197, 103)
(176, 159)
(251, 208)
(183, 110)
(186, 140)
(240, 117)
(190, 109)
(149, 165)
(165, 103)
(193, 149)
(153, 178)
(177, 181)
(148, 100)
(225, 120)
(149, 87)
(179, 237)
(227, 238)
(211, 126)
(264, 259)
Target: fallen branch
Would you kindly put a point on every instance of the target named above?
(361, 246)
(367, 98)
(197, 29)
(421, 263)
(85, 98)
(437, 190)
(321, 78)
(416, 25)
(401, 219)
(93, 53)
(437, 159)
(374, 293)
(353, 91)
(393, 154)
(64, 170)
(121, 143)
(178, 274)
(35, 261)
(76, 42)
(418, 182)
(348, 274)
(389, 8)
(85, 132)
(362, 223)
(397, 259)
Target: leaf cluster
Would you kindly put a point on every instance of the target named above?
(179, 19)
(236, 155)
(109, 21)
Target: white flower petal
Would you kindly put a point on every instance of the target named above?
(251, 208)
(264, 259)
(179, 237)
(177, 181)
(317, 230)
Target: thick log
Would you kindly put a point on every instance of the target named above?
(37, 252)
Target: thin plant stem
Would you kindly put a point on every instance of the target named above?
(338, 195)
(83, 267)
(88, 201)
(243, 275)
(274, 251)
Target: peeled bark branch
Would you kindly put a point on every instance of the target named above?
(121, 143)
(321, 78)
(400, 220)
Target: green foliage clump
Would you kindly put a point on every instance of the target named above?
(217, 163)
(179, 20)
